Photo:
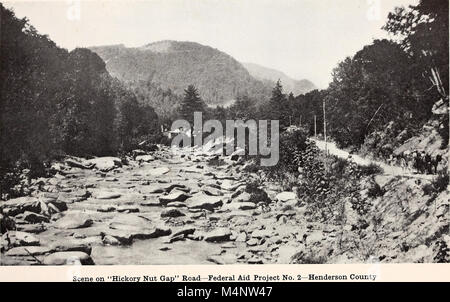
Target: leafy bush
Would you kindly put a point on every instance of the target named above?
(308, 257)
(372, 169)
(216, 161)
(439, 184)
(251, 168)
(256, 193)
(441, 181)
(291, 145)
(375, 191)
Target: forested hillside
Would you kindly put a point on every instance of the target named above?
(272, 76)
(55, 102)
(175, 65)
(391, 82)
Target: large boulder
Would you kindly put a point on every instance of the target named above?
(74, 220)
(32, 217)
(243, 197)
(236, 154)
(105, 164)
(68, 258)
(17, 238)
(77, 163)
(127, 227)
(6, 223)
(39, 205)
(286, 196)
(218, 235)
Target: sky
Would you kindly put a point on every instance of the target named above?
(302, 38)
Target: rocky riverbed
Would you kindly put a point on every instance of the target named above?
(172, 208)
(159, 208)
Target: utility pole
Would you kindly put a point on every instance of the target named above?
(325, 127)
(315, 126)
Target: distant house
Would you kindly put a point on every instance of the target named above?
(171, 133)
(440, 107)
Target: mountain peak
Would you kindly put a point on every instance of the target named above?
(160, 46)
(174, 65)
(171, 46)
(272, 75)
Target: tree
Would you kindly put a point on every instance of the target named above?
(278, 106)
(54, 102)
(378, 85)
(423, 31)
(191, 103)
(243, 109)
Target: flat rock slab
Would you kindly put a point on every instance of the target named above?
(223, 259)
(234, 206)
(179, 187)
(106, 209)
(125, 234)
(218, 235)
(71, 245)
(176, 204)
(203, 201)
(127, 227)
(238, 214)
(132, 220)
(314, 238)
(229, 185)
(261, 233)
(107, 195)
(212, 191)
(73, 221)
(28, 251)
(127, 209)
(68, 258)
(151, 203)
(243, 197)
(145, 158)
(19, 201)
(184, 231)
(17, 238)
(286, 253)
(105, 163)
(32, 217)
(31, 228)
(174, 196)
(159, 171)
(252, 242)
(285, 196)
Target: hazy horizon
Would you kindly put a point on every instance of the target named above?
(303, 39)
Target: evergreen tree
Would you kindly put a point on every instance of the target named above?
(191, 103)
(278, 106)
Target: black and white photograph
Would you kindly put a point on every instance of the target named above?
(224, 132)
